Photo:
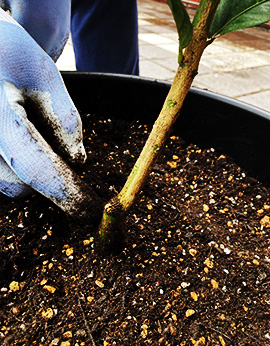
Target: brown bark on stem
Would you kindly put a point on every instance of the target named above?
(118, 207)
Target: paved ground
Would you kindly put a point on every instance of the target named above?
(236, 65)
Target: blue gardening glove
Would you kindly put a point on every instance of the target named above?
(48, 22)
(28, 74)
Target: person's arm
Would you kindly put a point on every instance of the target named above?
(29, 75)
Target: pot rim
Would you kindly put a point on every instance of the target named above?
(193, 90)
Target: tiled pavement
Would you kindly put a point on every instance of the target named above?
(236, 65)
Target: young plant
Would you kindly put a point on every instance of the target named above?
(213, 19)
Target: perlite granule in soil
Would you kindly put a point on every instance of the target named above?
(193, 269)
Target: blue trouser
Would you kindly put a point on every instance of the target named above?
(105, 35)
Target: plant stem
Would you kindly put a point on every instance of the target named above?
(118, 207)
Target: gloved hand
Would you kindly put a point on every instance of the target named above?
(28, 74)
(48, 22)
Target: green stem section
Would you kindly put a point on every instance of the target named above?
(118, 207)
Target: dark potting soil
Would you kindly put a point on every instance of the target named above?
(194, 269)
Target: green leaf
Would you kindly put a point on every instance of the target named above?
(183, 24)
(234, 15)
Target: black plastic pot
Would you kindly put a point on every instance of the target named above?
(209, 120)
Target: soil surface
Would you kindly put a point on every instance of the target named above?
(194, 268)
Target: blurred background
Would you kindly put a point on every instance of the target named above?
(235, 65)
